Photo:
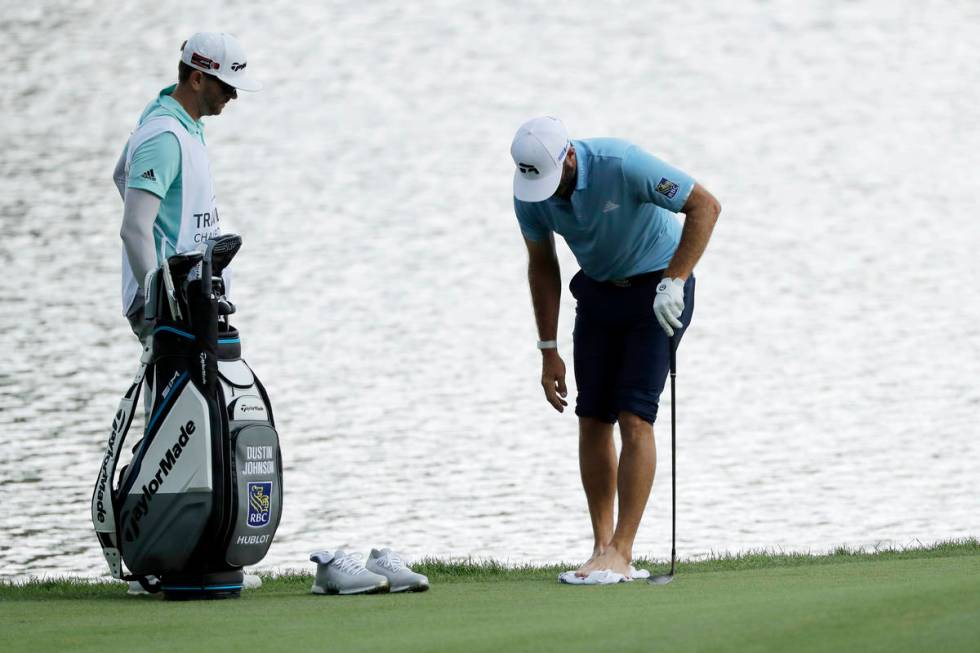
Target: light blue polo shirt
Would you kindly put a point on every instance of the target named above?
(620, 220)
(155, 166)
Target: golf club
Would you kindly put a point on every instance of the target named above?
(170, 291)
(176, 273)
(663, 580)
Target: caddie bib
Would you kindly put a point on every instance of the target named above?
(198, 213)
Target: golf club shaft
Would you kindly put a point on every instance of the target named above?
(673, 454)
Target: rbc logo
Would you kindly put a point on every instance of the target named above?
(667, 187)
(259, 503)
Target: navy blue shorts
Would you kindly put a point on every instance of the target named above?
(622, 355)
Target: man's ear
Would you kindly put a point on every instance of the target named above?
(196, 79)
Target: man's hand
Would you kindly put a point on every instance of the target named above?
(553, 379)
(669, 304)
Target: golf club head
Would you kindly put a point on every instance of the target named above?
(181, 264)
(660, 580)
(223, 249)
(225, 307)
(170, 291)
(151, 293)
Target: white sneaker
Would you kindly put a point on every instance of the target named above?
(249, 582)
(136, 589)
(340, 573)
(401, 579)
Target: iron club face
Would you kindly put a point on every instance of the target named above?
(660, 580)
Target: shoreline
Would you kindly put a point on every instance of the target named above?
(469, 569)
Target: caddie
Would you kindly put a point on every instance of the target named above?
(615, 205)
(163, 175)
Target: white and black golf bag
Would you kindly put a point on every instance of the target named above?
(202, 495)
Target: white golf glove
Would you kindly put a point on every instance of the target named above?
(669, 304)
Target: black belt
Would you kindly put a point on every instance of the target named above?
(636, 279)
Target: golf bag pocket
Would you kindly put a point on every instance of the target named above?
(255, 460)
(257, 466)
(244, 400)
(166, 493)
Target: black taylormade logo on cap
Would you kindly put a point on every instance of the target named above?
(238, 66)
(527, 168)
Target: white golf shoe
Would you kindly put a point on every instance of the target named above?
(401, 579)
(136, 589)
(341, 573)
(249, 582)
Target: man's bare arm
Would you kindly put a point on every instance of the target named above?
(701, 212)
(544, 278)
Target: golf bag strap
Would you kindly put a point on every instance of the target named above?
(103, 511)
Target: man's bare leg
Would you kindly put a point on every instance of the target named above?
(637, 464)
(597, 463)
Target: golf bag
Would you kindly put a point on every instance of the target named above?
(202, 495)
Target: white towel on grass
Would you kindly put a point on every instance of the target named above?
(602, 577)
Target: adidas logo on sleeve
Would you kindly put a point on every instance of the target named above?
(149, 175)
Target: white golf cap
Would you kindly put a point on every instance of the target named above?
(539, 150)
(221, 55)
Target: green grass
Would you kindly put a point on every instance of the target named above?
(915, 599)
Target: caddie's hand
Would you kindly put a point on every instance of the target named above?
(553, 379)
(669, 304)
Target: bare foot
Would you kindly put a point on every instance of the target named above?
(612, 560)
(589, 565)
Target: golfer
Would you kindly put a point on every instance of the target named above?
(164, 176)
(614, 204)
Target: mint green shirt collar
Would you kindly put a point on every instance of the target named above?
(582, 163)
(172, 106)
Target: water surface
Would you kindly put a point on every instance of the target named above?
(827, 391)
